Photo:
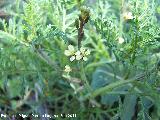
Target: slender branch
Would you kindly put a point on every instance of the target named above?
(80, 34)
(83, 76)
(46, 58)
(107, 88)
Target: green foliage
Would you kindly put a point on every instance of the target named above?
(120, 79)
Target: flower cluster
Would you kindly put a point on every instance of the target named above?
(128, 16)
(77, 55)
(67, 69)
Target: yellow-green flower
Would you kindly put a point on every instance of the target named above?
(67, 69)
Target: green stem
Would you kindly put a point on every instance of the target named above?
(83, 76)
(135, 42)
(121, 17)
(107, 88)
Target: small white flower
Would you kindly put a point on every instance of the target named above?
(70, 51)
(49, 26)
(71, 48)
(82, 50)
(78, 57)
(78, 53)
(120, 40)
(87, 52)
(67, 69)
(84, 53)
(85, 58)
(128, 16)
(72, 58)
(67, 52)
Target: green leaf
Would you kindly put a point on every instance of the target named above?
(128, 108)
(106, 75)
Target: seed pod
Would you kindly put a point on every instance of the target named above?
(85, 13)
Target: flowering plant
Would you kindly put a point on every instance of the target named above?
(97, 59)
